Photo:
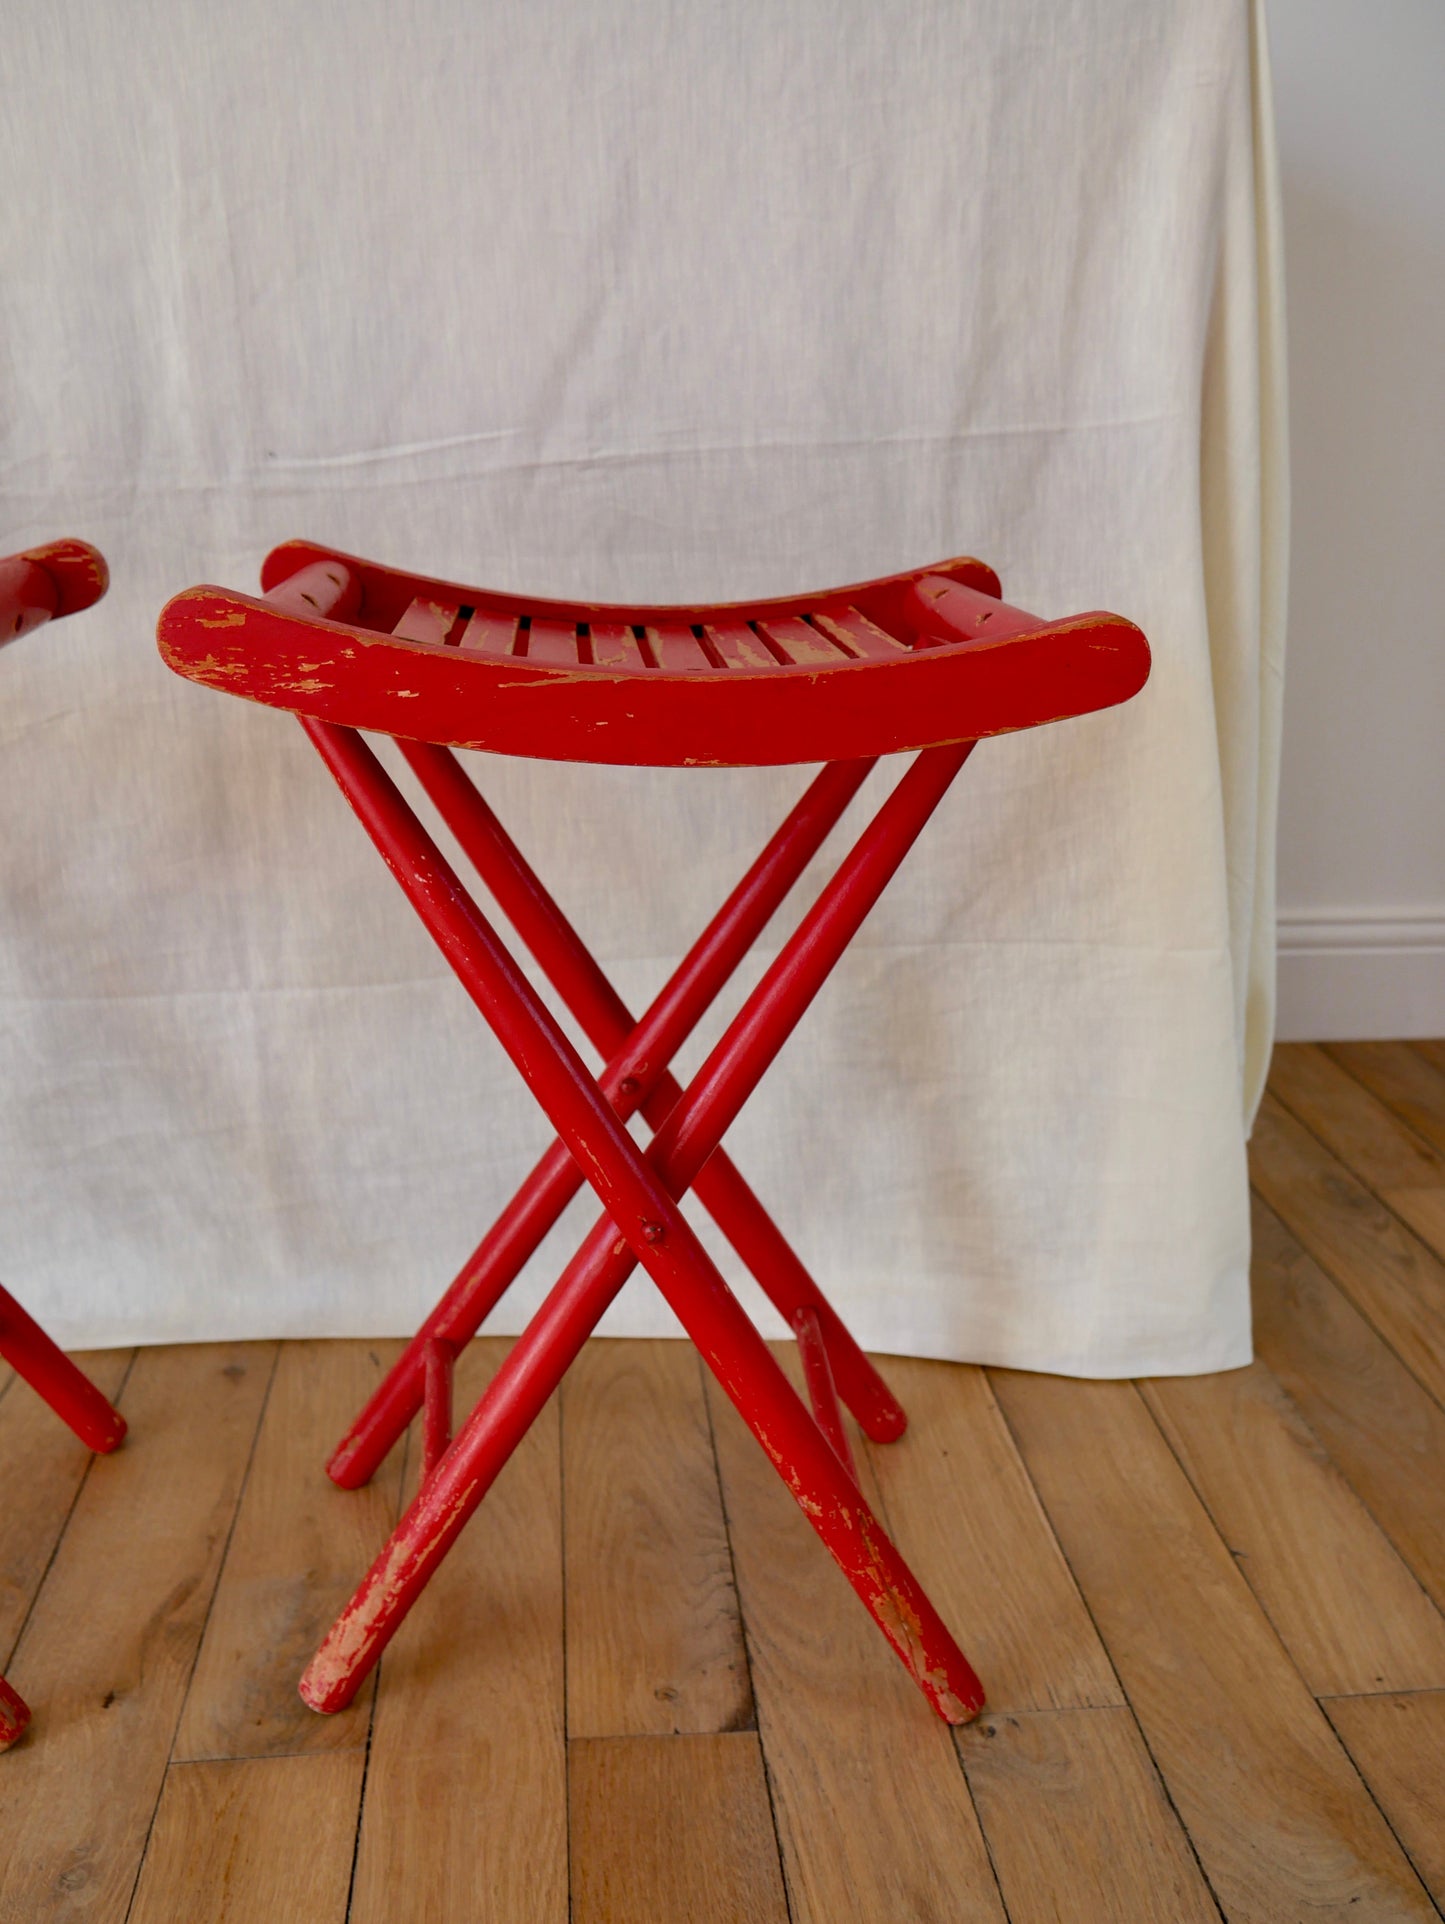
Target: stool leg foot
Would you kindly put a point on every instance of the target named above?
(52, 1375)
(14, 1715)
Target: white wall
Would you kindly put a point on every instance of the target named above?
(1360, 99)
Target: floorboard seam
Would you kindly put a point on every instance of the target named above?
(1159, 1777)
(205, 1623)
(60, 1533)
(747, 1645)
(406, 1443)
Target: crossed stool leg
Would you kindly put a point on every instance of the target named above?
(643, 1224)
(77, 1402)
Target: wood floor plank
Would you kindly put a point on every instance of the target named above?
(654, 1639)
(1077, 1821)
(963, 1512)
(1345, 1605)
(109, 1647)
(252, 1842)
(873, 1811)
(668, 1829)
(1398, 1744)
(1404, 1171)
(42, 1463)
(1432, 1051)
(1385, 1270)
(295, 1553)
(1402, 1078)
(1380, 1427)
(1282, 1824)
(466, 1793)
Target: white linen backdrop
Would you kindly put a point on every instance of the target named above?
(662, 300)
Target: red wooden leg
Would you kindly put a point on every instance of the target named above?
(52, 1375)
(573, 972)
(822, 1391)
(14, 1715)
(652, 1228)
(639, 1054)
(441, 1359)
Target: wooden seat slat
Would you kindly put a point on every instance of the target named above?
(490, 634)
(426, 620)
(615, 646)
(802, 643)
(860, 636)
(677, 649)
(553, 641)
(738, 647)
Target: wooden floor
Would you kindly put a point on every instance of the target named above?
(1208, 1611)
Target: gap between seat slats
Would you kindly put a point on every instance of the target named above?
(826, 639)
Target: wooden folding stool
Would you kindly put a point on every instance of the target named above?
(42, 585)
(930, 661)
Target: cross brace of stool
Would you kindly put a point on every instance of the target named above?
(638, 1192)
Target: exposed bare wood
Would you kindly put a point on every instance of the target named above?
(1078, 1825)
(42, 1464)
(108, 1651)
(1402, 1168)
(297, 1546)
(1347, 1609)
(1402, 1078)
(1281, 1822)
(466, 1795)
(654, 1642)
(1385, 1270)
(965, 1515)
(236, 1843)
(1384, 1431)
(670, 1828)
(1398, 1744)
(872, 1808)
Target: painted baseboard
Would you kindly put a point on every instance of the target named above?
(1354, 975)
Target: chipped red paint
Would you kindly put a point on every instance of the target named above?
(402, 665)
(14, 1715)
(38, 586)
(929, 659)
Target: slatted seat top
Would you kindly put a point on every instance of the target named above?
(910, 661)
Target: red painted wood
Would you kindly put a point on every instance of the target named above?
(676, 649)
(29, 596)
(945, 693)
(428, 621)
(930, 659)
(553, 641)
(639, 1196)
(615, 646)
(737, 646)
(802, 643)
(637, 1053)
(73, 577)
(14, 1715)
(52, 1375)
(490, 634)
(439, 1366)
(822, 1391)
(859, 636)
(387, 592)
(43, 584)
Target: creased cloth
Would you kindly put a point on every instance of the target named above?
(663, 300)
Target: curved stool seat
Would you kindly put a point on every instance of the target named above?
(930, 660)
(908, 662)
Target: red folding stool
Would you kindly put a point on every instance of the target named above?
(930, 661)
(41, 585)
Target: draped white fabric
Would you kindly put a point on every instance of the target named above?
(661, 300)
